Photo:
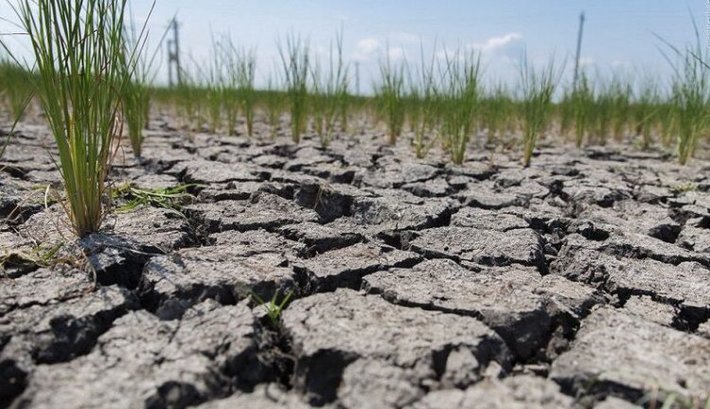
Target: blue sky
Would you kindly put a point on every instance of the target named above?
(618, 34)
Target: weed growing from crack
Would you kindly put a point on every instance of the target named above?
(684, 187)
(172, 198)
(671, 400)
(274, 307)
(38, 255)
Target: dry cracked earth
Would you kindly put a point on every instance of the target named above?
(582, 281)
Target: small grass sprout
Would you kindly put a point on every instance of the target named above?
(684, 187)
(274, 307)
(35, 256)
(172, 198)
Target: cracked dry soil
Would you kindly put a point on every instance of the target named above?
(582, 281)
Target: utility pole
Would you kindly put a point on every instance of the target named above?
(579, 50)
(174, 54)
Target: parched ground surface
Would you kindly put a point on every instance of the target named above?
(582, 281)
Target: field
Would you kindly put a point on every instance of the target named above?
(442, 243)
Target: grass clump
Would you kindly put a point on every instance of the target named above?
(16, 86)
(214, 78)
(137, 93)
(582, 108)
(136, 105)
(497, 109)
(537, 87)
(330, 92)
(390, 97)
(461, 99)
(423, 97)
(295, 60)
(81, 61)
(690, 97)
(273, 103)
(238, 92)
(644, 112)
(189, 96)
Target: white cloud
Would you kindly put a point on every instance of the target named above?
(586, 62)
(621, 64)
(396, 53)
(402, 37)
(494, 44)
(366, 49)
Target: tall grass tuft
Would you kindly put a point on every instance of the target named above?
(621, 105)
(667, 123)
(690, 95)
(461, 98)
(241, 69)
(137, 93)
(497, 108)
(16, 86)
(583, 109)
(79, 51)
(273, 103)
(390, 97)
(188, 98)
(645, 110)
(330, 92)
(423, 112)
(537, 87)
(213, 79)
(295, 60)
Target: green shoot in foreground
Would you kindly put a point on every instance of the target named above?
(274, 307)
(81, 61)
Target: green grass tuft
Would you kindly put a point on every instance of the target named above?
(537, 86)
(81, 60)
(296, 63)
